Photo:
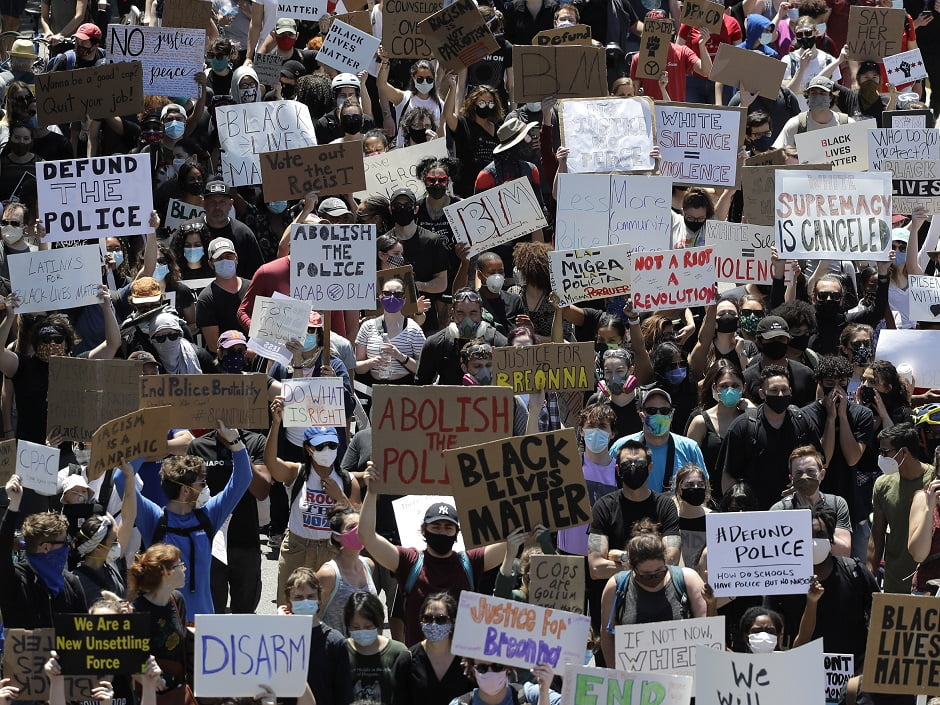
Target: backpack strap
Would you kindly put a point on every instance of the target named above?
(335, 566)
(465, 562)
(412, 578)
(620, 593)
(802, 124)
(106, 489)
(163, 528)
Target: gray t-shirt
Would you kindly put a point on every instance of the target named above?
(834, 502)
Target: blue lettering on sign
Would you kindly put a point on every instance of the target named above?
(262, 655)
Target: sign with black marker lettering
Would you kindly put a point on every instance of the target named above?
(557, 582)
(313, 401)
(333, 266)
(501, 214)
(328, 169)
(741, 251)
(699, 146)
(912, 157)
(139, 434)
(759, 553)
(570, 71)
(458, 35)
(347, 49)
(583, 275)
(25, 652)
(398, 168)
(654, 48)
(99, 92)
(102, 643)
(924, 294)
(758, 184)
(839, 668)
(305, 10)
(178, 212)
(401, 37)
(608, 134)
(170, 56)
(703, 14)
(874, 32)
(274, 321)
(900, 655)
(667, 647)
(63, 278)
(550, 367)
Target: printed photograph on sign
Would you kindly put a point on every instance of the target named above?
(673, 279)
(333, 266)
(607, 134)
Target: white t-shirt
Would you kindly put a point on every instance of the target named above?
(820, 61)
(787, 136)
(412, 100)
(308, 514)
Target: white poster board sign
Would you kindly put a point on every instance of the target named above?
(38, 467)
(333, 266)
(274, 321)
(780, 678)
(498, 215)
(833, 215)
(409, 516)
(594, 210)
(673, 279)
(741, 251)
(171, 57)
(397, 169)
(582, 275)
(307, 10)
(46, 280)
(584, 685)
(843, 146)
(905, 68)
(839, 668)
(912, 158)
(485, 631)
(917, 348)
(666, 647)
(607, 134)
(699, 145)
(347, 49)
(759, 553)
(924, 294)
(313, 401)
(235, 653)
(178, 212)
(88, 198)
(248, 129)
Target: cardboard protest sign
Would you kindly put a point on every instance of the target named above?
(236, 652)
(924, 295)
(830, 215)
(516, 634)
(83, 394)
(171, 57)
(304, 10)
(902, 635)
(25, 652)
(56, 279)
(329, 169)
(907, 119)
(247, 130)
(582, 275)
(561, 71)
(698, 145)
(775, 157)
(187, 14)
(673, 279)
(594, 210)
(751, 70)
(498, 215)
(552, 367)
(911, 156)
(139, 434)
(667, 647)
(760, 553)
(917, 348)
(347, 48)
(584, 685)
(409, 517)
(412, 425)
(839, 668)
(93, 643)
(397, 169)
(81, 198)
(458, 35)
(654, 48)
(38, 467)
(274, 321)
(703, 14)
(843, 146)
(781, 678)
(758, 185)
(741, 251)
(905, 68)
(268, 67)
(557, 582)
(520, 481)
(199, 401)
(407, 276)
(401, 37)
(7, 459)
(575, 34)
(614, 134)
(874, 32)
(333, 266)
(98, 92)
(178, 212)
(313, 401)
(359, 19)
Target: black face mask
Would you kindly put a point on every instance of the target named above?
(805, 42)
(799, 342)
(694, 496)
(418, 136)
(866, 396)
(762, 143)
(774, 350)
(403, 216)
(634, 476)
(828, 308)
(441, 544)
(485, 112)
(778, 404)
(194, 188)
(287, 91)
(436, 190)
(693, 225)
(352, 124)
(727, 323)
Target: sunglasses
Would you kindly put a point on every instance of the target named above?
(657, 575)
(24, 99)
(487, 667)
(52, 339)
(435, 618)
(471, 296)
(828, 296)
(431, 180)
(14, 223)
(631, 464)
(651, 410)
(163, 337)
(396, 294)
(329, 444)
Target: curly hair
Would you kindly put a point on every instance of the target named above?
(887, 374)
(179, 241)
(531, 258)
(62, 323)
(446, 163)
(832, 367)
(151, 567)
(314, 91)
(179, 470)
(414, 114)
(469, 107)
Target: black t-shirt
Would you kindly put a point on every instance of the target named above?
(219, 84)
(504, 309)
(473, 146)
(31, 388)
(204, 271)
(217, 307)
(328, 127)
(53, 147)
(628, 418)
(587, 331)
(426, 254)
(441, 228)
(614, 515)
(246, 244)
(243, 528)
(802, 382)
(490, 70)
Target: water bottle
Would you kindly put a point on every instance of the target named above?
(386, 359)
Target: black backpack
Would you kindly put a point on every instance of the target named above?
(163, 528)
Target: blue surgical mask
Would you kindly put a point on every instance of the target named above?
(766, 38)
(277, 206)
(193, 254)
(658, 424)
(900, 258)
(174, 129)
(729, 396)
(793, 14)
(218, 64)
(534, 107)
(304, 606)
(160, 272)
(596, 439)
(821, 29)
(118, 258)
(364, 637)
(677, 376)
(225, 268)
(311, 341)
(33, 122)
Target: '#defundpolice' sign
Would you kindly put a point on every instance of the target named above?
(828, 215)
(584, 685)
(667, 647)
(516, 634)
(759, 553)
(581, 275)
(333, 266)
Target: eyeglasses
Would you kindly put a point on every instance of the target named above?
(328, 444)
(470, 296)
(432, 180)
(487, 667)
(14, 223)
(180, 564)
(52, 339)
(652, 410)
(828, 295)
(678, 365)
(436, 618)
(396, 294)
(163, 337)
(651, 577)
(888, 451)
(25, 99)
(633, 464)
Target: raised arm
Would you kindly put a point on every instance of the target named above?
(9, 361)
(920, 533)
(280, 470)
(379, 547)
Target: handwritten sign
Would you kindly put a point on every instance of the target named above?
(236, 652)
(667, 647)
(347, 48)
(584, 685)
(575, 34)
(409, 517)
(917, 348)
(758, 186)
(673, 279)
(268, 67)
(247, 130)
(703, 14)
(305, 10)
(557, 582)
(328, 169)
(93, 643)
(314, 401)
(171, 57)
(911, 156)
(501, 214)
(188, 14)
(839, 668)
(411, 426)
(905, 68)
(401, 37)
(843, 146)
(901, 635)
(333, 266)
(614, 134)
(275, 321)
(828, 215)
(81, 198)
(595, 210)
(700, 145)
(178, 212)
(562, 71)
(741, 251)
(654, 48)
(458, 35)
(199, 401)
(25, 652)
(874, 32)
(582, 275)
(398, 169)
(552, 367)
(485, 478)
(924, 295)
(7, 459)
(752, 70)
(38, 467)
(516, 634)
(139, 434)
(760, 553)
(908, 119)
(56, 279)
(99, 92)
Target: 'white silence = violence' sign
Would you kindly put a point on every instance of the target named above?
(582, 275)
(498, 215)
(333, 266)
(741, 251)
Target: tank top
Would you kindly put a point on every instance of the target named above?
(333, 610)
(643, 607)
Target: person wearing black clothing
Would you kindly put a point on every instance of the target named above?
(522, 24)
(491, 70)
(828, 295)
(329, 127)
(773, 338)
(780, 109)
(501, 305)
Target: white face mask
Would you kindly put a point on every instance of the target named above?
(762, 642)
(12, 234)
(115, 551)
(494, 283)
(325, 458)
(821, 550)
(887, 464)
(204, 496)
